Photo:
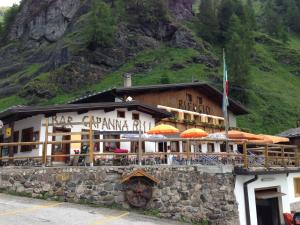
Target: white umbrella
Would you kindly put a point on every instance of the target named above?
(144, 136)
(217, 136)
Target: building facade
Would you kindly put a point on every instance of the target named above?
(264, 196)
(108, 121)
(191, 104)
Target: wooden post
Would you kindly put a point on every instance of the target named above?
(246, 165)
(11, 148)
(91, 144)
(140, 152)
(297, 156)
(267, 156)
(188, 151)
(282, 157)
(45, 146)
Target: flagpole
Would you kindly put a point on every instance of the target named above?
(225, 101)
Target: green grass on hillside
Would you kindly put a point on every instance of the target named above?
(158, 63)
(274, 93)
(11, 101)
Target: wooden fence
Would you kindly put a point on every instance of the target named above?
(249, 154)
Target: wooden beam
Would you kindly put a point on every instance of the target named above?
(91, 144)
(45, 146)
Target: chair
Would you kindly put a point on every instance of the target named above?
(288, 218)
(296, 218)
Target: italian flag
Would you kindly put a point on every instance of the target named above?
(225, 86)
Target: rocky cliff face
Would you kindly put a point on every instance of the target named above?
(182, 9)
(45, 39)
(44, 20)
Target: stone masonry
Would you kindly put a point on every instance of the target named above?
(194, 193)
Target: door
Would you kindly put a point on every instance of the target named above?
(60, 149)
(267, 208)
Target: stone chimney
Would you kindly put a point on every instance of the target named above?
(127, 80)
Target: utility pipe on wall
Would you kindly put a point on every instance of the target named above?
(246, 197)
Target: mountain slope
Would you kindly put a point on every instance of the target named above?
(54, 65)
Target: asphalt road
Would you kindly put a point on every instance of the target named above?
(26, 211)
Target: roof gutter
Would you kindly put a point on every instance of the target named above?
(246, 197)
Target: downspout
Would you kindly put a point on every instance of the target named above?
(246, 197)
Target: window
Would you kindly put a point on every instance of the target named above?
(85, 137)
(189, 97)
(16, 139)
(187, 116)
(297, 186)
(36, 138)
(135, 116)
(134, 147)
(27, 136)
(199, 99)
(111, 146)
(3, 149)
(174, 146)
(210, 147)
(120, 114)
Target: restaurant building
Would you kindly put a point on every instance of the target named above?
(108, 120)
(196, 104)
(192, 105)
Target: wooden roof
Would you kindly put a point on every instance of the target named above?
(203, 87)
(139, 173)
(21, 112)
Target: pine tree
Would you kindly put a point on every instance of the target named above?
(208, 21)
(101, 28)
(250, 13)
(293, 16)
(238, 49)
(8, 19)
(272, 22)
(226, 9)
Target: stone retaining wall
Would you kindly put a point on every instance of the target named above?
(185, 192)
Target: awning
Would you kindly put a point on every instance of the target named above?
(267, 194)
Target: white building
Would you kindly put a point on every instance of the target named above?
(109, 121)
(264, 196)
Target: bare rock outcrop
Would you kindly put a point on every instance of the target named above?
(182, 9)
(43, 20)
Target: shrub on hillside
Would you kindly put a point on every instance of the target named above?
(146, 12)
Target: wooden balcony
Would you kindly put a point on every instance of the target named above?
(248, 155)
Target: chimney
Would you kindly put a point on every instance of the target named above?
(127, 80)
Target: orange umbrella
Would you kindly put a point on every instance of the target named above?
(235, 134)
(163, 129)
(274, 139)
(193, 133)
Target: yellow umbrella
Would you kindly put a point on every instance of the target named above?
(163, 129)
(235, 134)
(274, 139)
(194, 133)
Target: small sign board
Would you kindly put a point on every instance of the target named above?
(7, 132)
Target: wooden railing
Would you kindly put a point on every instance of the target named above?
(249, 154)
